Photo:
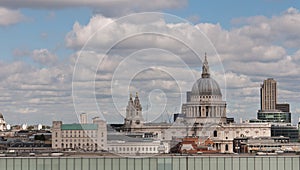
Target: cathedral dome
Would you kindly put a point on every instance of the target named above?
(206, 86)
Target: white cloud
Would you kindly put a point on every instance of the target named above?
(283, 29)
(44, 57)
(26, 110)
(247, 52)
(9, 17)
(250, 53)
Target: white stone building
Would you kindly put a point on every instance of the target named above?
(134, 117)
(122, 144)
(204, 115)
(80, 136)
(204, 102)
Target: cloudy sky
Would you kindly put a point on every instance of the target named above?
(61, 58)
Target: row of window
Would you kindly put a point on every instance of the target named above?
(78, 131)
(80, 140)
(92, 134)
(79, 146)
(75, 136)
(140, 149)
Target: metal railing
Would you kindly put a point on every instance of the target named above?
(152, 163)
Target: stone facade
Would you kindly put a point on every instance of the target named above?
(137, 147)
(79, 136)
(134, 117)
(204, 116)
(205, 102)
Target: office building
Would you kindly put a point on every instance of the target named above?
(270, 110)
(88, 136)
(268, 94)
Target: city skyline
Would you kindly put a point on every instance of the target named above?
(41, 42)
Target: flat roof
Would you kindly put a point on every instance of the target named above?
(79, 126)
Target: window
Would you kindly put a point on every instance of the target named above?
(226, 147)
(206, 111)
(215, 133)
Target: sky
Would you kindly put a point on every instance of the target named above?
(62, 58)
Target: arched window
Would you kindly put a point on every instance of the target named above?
(215, 133)
(226, 147)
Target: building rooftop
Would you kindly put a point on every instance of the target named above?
(124, 138)
(79, 127)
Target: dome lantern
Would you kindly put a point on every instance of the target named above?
(206, 86)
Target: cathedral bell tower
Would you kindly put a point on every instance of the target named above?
(134, 117)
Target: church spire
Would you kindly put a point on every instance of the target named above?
(130, 98)
(205, 68)
(137, 103)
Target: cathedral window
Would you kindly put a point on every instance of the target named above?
(215, 133)
(206, 111)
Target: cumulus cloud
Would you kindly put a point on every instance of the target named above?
(283, 29)
(108, 8)
(9, 16)
(44, 57)
(159, 65)
(247, 52)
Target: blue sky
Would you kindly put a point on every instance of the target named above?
(42, 39)
(55, 23)
(224, 11)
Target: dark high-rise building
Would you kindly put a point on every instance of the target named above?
(284, 107)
